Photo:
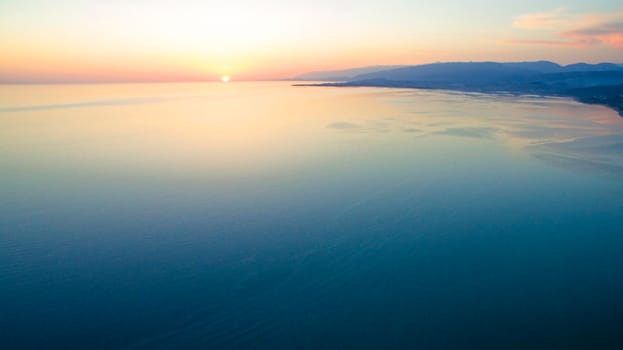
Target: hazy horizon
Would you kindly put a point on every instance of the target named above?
(216, 78)
(73, 41)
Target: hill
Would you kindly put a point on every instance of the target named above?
(591, 83)
(340, 75)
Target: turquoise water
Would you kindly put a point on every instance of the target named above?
(260, 215)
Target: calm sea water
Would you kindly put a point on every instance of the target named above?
(260, 215)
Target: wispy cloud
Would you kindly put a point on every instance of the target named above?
(569, 29)
(543, 20)
(540, 42)
(608, 33)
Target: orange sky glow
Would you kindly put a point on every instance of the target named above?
(81, 41)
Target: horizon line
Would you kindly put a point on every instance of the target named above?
(291, 78)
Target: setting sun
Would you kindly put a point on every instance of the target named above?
(225, 79)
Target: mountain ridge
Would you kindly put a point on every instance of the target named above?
(342, 74)
(589, 83)
(487, 67)
(542, 66)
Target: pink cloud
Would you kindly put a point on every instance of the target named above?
(609, 33)
(542, 20)
(541, 42)
(576, 30)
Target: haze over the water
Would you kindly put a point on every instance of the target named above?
(160, 40)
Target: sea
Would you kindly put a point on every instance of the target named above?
(260, 215)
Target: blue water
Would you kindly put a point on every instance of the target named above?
(260, 215)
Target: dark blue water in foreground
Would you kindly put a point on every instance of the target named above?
(262, 216)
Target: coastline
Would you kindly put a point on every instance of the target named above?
(608, 96)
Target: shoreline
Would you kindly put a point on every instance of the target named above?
(610, 99)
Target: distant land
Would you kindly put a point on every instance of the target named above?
(341, 75)
(589, 83)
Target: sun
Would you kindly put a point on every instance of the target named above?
(225, 78)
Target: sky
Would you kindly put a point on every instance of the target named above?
(165, 40)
